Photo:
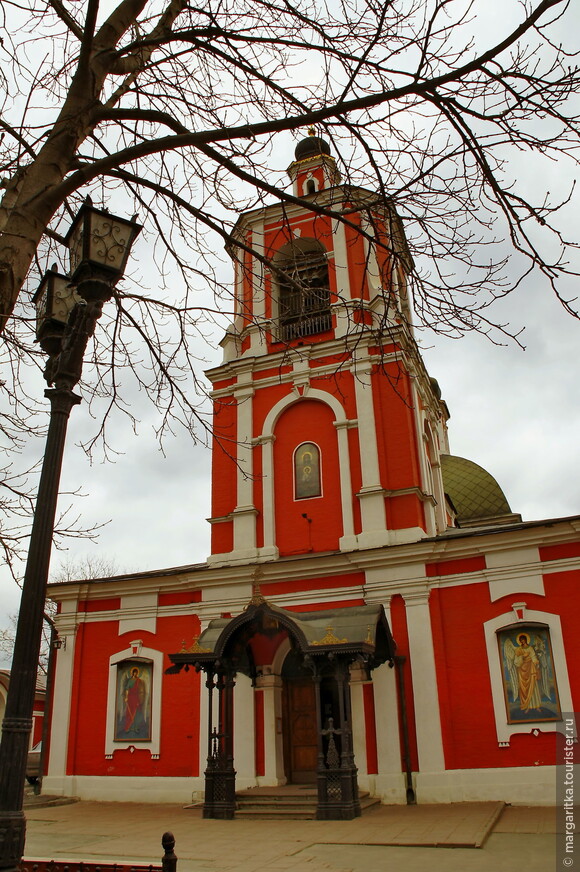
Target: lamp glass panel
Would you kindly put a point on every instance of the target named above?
(110, 239)
(63, 299)
(75, 245)
(42, 305)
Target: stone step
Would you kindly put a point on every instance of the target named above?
(279, 804)
(275, 800)
(272, 814)
(48, 801)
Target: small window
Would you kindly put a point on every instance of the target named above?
(310, 186)
(307, 482)
(304, 290)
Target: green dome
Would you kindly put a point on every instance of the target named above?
(475, 494)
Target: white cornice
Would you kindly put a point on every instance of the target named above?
(391, 559)
(281, 361)
(328, 198)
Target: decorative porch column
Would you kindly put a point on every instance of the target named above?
(337, 774)
(220, 775)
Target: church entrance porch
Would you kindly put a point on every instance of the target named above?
(316, 719)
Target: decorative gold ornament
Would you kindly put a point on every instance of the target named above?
(330, 638)
(257, 599)
(195, 648)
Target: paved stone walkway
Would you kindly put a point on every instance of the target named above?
(470, 837)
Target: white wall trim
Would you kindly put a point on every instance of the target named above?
(117, 788)
(517, 785)
(505, 731)
(523, 785)
(61, 706)
(425, 690)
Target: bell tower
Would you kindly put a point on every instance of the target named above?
(328, 429)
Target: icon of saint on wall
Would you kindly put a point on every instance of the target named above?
(133, 709)
(307, 471)
(529, 679)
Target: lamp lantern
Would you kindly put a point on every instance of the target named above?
(99, 244)
(68, 308)
(54, 301)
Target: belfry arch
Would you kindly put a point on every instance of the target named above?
(318, 648)
(303, 289)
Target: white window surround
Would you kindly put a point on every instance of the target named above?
(132, 653)
(504, 730)
(340, 422)
(309, 182)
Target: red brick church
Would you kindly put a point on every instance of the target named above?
(373, 616)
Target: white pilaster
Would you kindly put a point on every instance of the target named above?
(371, 496)
(244, 732)
(425, 694)
(271, 686)
(244, 515)
(342, 309)
(427, 483)
(258, 313)
(357, 680)
(269, 548)
(373, 275)
(348, 540)
(61, 704)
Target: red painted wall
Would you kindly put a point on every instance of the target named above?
(179, 754)
(328, 582)
(323, 607)
(370, 729)
(455, 567)
(467, 715)
(223, 473)
(259, 742)
(37, 721)
(397, 444)
(356, 257)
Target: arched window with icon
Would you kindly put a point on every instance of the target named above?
(307, 478)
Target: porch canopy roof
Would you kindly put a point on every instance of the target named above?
(359, 631)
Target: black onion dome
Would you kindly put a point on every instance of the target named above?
(311, 146)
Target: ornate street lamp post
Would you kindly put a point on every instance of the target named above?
(68, 308)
